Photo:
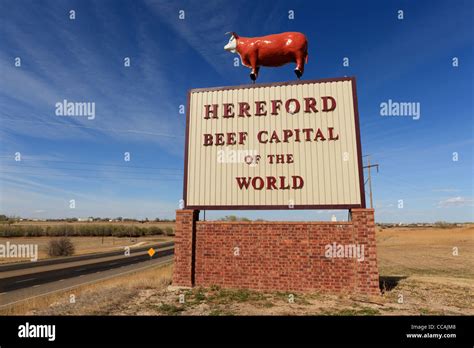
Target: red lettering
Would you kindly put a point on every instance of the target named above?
(282, 183)
(319, 134)
(287, 134)
(243, 182)
(259, 108)
(220, 139)
(274, 138)
(331, 136)
(207, 139)
(242, 137)
(310, 105)
(271, 183)
(231, 139)
(208, 111)
(259, 137)
(261, 183)
(325, 103)
(244, 109)
(297, 185)
(297, 135)
(276, 106)
(228, 110)
(307, 133)
(297, 106)
(280, 158)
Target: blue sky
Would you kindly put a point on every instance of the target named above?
(137, 107)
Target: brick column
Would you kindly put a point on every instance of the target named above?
(367, 277)
(184, 247)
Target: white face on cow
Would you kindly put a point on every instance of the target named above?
(231, 45)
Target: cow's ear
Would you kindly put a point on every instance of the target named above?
(233, 33)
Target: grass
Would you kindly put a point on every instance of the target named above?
(170, 309)
(416, 262)
(217, 295)
(96, 298)
(353, 312)
(235, 295)
(296, 298)
(426, 252)
(220, 299)
(220, 312)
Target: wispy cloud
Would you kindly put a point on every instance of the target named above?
(206, 37)
(41, 205)
(80, 68)
(446, 190)
(456, 202)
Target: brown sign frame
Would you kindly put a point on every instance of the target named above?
(277, 207)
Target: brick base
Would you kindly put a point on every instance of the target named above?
(283, 256)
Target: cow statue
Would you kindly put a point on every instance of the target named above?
(271, 50)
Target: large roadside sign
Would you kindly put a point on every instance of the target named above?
(293, 145)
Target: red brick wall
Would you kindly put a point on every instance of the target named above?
(183, 247)
(284, 256)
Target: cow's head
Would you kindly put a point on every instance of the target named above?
(232, 44)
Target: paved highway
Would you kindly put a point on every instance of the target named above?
(62, 260)
(20, 284)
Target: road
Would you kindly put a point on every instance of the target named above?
(22, 283)
(58, 260)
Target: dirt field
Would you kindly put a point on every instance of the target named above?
(419, 276)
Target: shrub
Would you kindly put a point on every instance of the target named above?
(61, 247)
(85, 230)
(442, 224)
(154, 230)
(169, 231)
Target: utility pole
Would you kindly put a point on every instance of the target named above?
(368, 166)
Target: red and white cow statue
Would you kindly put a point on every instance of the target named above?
(271, 50)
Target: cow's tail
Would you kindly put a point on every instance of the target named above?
(306, 51)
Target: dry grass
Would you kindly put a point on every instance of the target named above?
(426, 252)
(97, 298)
(83, 245)
(417, 264)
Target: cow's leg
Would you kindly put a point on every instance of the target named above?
(255, 73)
(299, 70)
(255, 68)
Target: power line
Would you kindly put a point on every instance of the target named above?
(94, 164)
(90, 177)
(94, 128)
(10, 166)
(368, 166)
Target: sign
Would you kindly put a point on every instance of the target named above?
(293, 145)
